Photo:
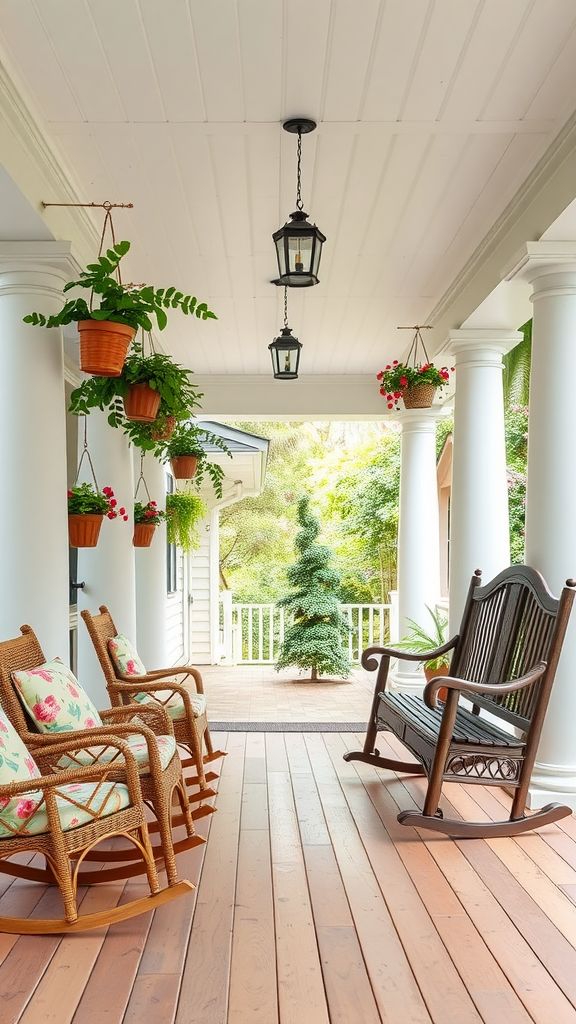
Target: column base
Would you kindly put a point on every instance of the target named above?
(407, 682)
(552, 782)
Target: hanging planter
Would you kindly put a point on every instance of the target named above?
(141, 403)
(184, 466)
(84, 530)
(184, 511)
(143, 534)
(146, 516)
(104, 346)
(87, 506)
(416, 383)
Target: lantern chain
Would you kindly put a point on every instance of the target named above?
(285, 306)
(299, 203)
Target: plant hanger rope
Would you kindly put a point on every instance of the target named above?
(142, 480)
(86, 454)
(416, 340)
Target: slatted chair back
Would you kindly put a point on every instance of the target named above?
(102, 628)
(508, 627)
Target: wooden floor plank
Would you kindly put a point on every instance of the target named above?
(153, 999)
(204, 991)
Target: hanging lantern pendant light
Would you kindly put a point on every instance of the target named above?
(285, 350)
(298, 243)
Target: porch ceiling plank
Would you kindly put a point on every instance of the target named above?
(396, 990)
(438, 979)
(205, 981)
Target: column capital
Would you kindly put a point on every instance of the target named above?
(40, 257)
(419, 420)
(475, 342)
(537, 259)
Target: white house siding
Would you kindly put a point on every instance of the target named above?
(175, 618)
(200, 647)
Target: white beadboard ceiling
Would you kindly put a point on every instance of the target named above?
(431, 114)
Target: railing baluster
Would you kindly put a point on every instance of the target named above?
(260, 633)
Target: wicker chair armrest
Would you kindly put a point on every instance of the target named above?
(159, 719)
(172, 688)
(163, 673)
(88, 773)
(369, 662)
(95, 737)
(488, 689)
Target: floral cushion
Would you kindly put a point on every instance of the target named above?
(16, 763)
(78, 804)
(138, 746)
(174, 703)
(125, 656)
(54, 699)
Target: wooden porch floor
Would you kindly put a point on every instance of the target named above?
(313, 905)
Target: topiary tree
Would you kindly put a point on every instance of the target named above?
(314, 640)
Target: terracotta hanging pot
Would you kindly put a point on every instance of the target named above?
(103, 346)
(184, 466)
(164, 433)
(419, 397)
(141, 403)
(143, 534)
(431, 673)
(84, 530)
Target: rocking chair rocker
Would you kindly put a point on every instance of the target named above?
(504, 663)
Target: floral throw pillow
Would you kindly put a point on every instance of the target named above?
(125, 657)
(54, 699)
(16, 765)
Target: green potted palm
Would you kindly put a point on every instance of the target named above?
(184, 510)
(421, 641)
(86, 510)
(107, 329)
(185, 451)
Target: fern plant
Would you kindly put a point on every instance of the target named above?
(184, 511)
(136, 306)
(419, 641)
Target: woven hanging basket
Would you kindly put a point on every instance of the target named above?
(184, 466)
(419, 397)
(164, 433)
(103, 346)
(141, 403)
(84, 530)
(143, 534)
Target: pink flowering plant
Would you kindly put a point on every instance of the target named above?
(148, 513)
(398, 377)
(84, 500)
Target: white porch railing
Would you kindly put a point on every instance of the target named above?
(257, 630)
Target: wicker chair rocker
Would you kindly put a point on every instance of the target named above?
(158, 781)
(179, 689)
(47, 808)
(504, 661)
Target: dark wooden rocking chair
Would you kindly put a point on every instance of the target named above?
(504, 661)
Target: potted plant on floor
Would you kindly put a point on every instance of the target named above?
(146, 519)
(188, 458)
(418, 640)
(86, 510)
(148, 386)
(107, 330)
(184, 510)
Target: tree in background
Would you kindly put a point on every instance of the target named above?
(516, 379)
(314, 640)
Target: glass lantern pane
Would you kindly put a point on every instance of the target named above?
(299, 254)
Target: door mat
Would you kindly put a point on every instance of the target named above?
(288, 726)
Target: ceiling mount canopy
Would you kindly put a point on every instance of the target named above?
(285, 350)
(298, 243)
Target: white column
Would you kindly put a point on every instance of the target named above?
(33, 511)
(108, 569)
(151, 570)
(418, 531)
(551, 490)
(479, 528)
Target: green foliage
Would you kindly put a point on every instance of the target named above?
(122, 304)
(148, 513)
(397, 377)
(184, 511)
(188, 439)
(516, 379)
(419, 641)
(84, 500)
(516, 426)
(178, 396)
(444, 428)
(314, 640)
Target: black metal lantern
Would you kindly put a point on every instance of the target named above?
(298, 243)
(285, 350)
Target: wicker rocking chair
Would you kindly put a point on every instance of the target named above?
(160, 771)
(63, 817)
(503, 663)
(179, 689)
